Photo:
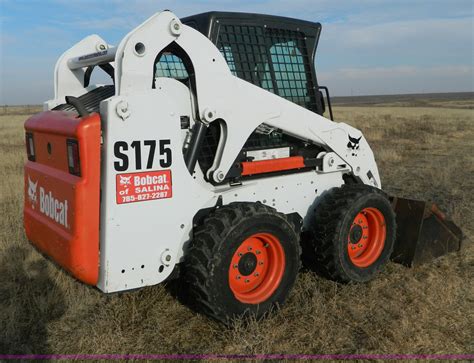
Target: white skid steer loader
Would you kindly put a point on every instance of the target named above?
(207, 159)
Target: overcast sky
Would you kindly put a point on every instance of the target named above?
(366, 47)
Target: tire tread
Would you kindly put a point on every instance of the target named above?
(329, 216)
(206, 244)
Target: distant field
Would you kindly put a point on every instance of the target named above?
(20, 110)
(462, 100)
(422, 152)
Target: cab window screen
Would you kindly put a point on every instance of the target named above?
(170, 66)
(229, 58)
(274, 59)
(290, 74)
(244, 50)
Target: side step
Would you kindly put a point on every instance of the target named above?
(423, 232)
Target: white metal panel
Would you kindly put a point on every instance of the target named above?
(92, 59)
(69, 82)
(137, 234)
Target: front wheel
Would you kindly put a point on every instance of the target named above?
(243, 260)
(352, 235)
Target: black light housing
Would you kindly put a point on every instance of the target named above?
(73, 157)
(30, 146)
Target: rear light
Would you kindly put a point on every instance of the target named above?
(30, 146)
(73, 157)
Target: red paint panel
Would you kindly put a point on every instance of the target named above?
(272, 165)
(61, 211)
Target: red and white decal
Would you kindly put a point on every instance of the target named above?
(140, 187)
(49, 205)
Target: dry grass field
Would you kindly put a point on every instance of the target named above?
(423, 152)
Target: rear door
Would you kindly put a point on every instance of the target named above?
(62, 190)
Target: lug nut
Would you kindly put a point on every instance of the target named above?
(235, 266)
(359, 245)
(266, 245)
(249, 248)
(238, 277)
(260, 263)
(240, 254)
(247, 281)
(257, 252)
(256, 274)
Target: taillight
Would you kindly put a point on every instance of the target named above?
(73, 157)
(30, 146)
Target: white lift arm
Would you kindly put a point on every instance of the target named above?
(221, 97)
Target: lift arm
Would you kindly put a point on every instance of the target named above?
(220, 96)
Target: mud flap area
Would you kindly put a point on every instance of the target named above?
(61, 206)
(423, 232)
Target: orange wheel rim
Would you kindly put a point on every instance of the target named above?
(366, 238)
(257, 268)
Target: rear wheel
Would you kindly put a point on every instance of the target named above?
(243, 260)
(353, 234)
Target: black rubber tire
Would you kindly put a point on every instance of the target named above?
(206, 264)
(325, 243)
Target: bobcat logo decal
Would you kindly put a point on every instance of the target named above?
(353, 144)
(125, 180)
(32, 191)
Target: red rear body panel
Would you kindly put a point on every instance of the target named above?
(61, 210)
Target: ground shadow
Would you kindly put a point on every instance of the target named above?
(29, 301)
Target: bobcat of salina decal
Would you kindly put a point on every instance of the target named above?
(139, 187)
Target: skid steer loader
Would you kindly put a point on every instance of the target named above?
(207, 158)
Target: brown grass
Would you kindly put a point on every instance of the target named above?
(425, 153)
